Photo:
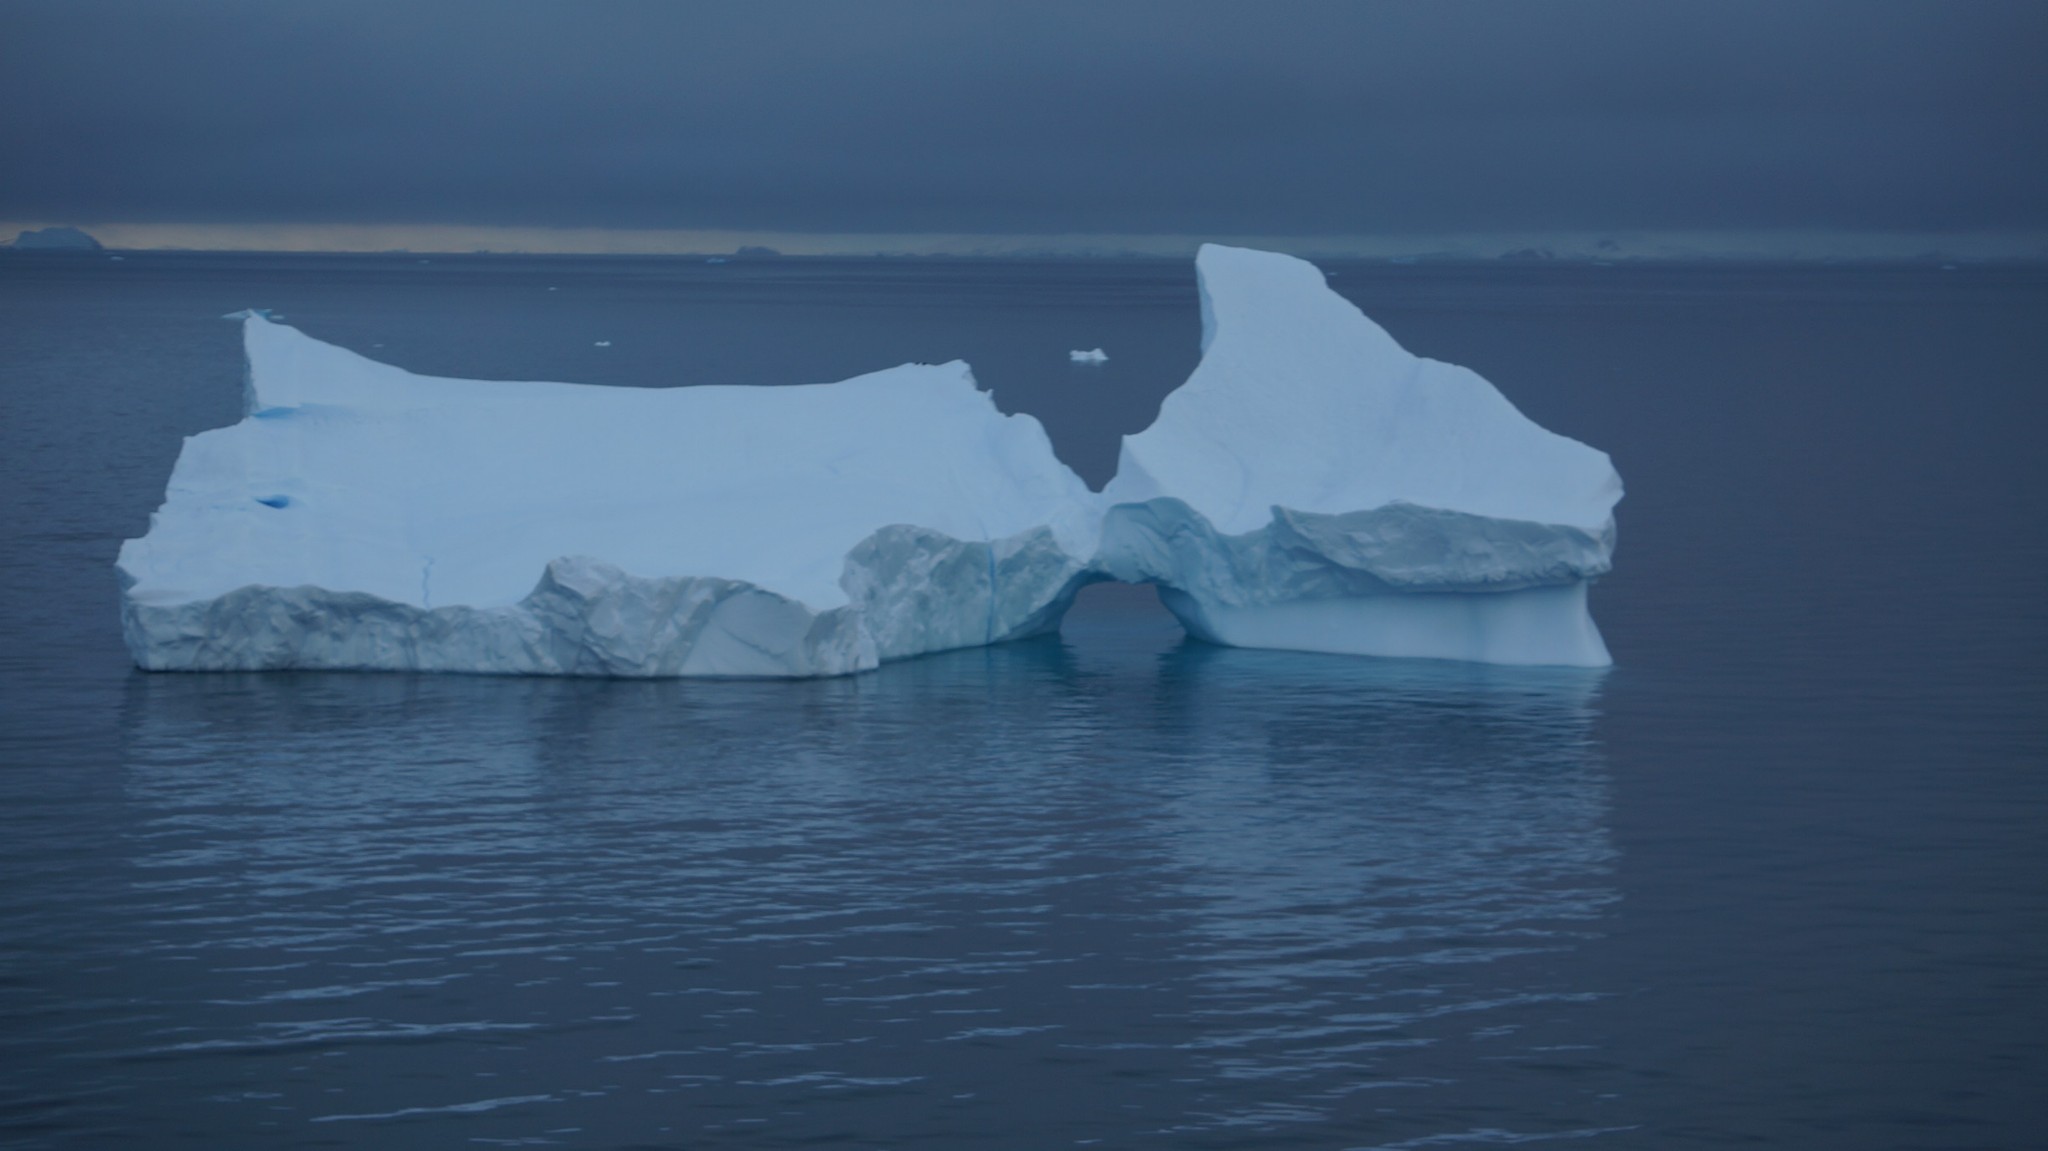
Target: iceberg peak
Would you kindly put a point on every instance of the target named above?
(1303, 413)
(1302, 401)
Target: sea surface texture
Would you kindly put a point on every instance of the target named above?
(1779, 878)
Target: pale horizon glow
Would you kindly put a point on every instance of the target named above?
(449, 239)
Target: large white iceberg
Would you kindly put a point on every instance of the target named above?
(1312, 486)
(360, 516)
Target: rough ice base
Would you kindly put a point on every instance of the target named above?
(1397, 580)
(584, 618)
(921, 591)
(912, 590)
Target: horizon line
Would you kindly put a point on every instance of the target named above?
(1586, 244)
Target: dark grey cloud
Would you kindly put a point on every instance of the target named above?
(1034, 117)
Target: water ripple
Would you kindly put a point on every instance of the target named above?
(1192, 893)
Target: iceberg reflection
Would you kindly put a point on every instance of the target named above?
(1108, 884)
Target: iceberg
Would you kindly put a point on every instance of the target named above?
(362, 517)
(1314, 486)
(1311, 486)
(1089, 356)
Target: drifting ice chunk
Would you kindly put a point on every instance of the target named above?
(1097, 356)
(1314, 486)
(363, 517)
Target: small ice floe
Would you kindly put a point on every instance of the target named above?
(1097, 356)
(551, 287)
(715, 260)
(117, 259)
(604, 343)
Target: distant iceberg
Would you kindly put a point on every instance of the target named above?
(1311, 486)
(1094, 356)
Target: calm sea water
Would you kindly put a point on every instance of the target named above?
(1780, 878)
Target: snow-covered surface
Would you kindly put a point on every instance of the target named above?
(1312, 486)
(1301, 401)
(1092, 356)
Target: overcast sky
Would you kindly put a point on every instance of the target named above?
(1031, 117)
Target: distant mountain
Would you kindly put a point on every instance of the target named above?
(57, 240)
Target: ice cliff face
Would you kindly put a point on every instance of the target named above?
(1312, 486)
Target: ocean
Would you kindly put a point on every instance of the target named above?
(1778, 878)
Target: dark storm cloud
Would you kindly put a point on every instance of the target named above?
(1136, 117)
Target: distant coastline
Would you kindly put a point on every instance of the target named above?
(59, 238)
(432, 241)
